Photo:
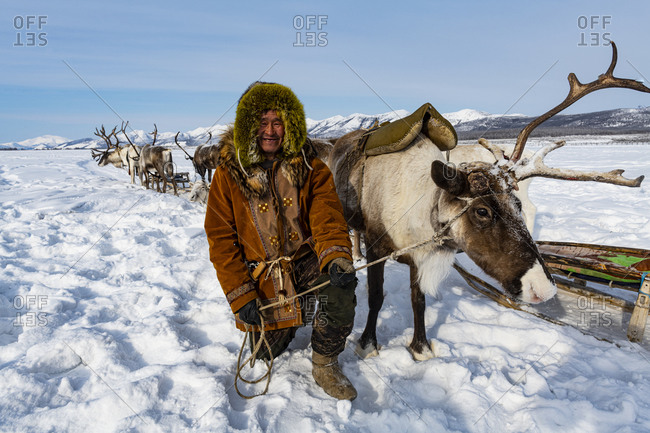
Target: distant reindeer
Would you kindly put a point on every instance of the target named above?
(205, 159)
(156, 164)
(130, 154)
(199, 192)
(119, 156)
(111, 155)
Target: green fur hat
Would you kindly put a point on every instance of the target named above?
(258, 98)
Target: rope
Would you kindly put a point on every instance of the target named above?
(277, 266)
(251, 359)
(241, 165)
(305, 158)
(438, 239)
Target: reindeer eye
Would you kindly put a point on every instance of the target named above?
(482, 212)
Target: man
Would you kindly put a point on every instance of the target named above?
(275, 227)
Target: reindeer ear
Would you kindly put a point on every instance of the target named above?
(447, 177)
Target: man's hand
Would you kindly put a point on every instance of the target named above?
(250, 313)
(341, 272)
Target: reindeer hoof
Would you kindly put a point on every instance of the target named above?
(367, 352)
(426, 352)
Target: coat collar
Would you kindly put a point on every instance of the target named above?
(253, 181)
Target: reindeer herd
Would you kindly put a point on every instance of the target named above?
(154, 163)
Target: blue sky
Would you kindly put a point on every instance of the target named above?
(183, 64)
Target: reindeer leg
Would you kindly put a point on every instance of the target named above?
(356, 247)
(419, 347)
(368, 342)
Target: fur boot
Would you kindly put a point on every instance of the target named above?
(328, 375)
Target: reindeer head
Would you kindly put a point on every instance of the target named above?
(112, 153)
(489, 215)
(490, 227)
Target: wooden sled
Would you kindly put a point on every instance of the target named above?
(183, 180)
(579, 269)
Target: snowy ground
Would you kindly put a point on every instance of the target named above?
(111, 319)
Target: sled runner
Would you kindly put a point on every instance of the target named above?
(589, 274)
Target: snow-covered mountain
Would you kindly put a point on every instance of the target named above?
(619, 121)
(42, 142)
(337, 126)
(138, 137)
(469, 124)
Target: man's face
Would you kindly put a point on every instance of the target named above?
(270, 134)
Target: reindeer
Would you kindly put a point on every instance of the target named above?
(111, 155)
(199, 192)
(467, 153)
(119, 156)
(130, 154)
(471, 207)
(206, 157)
(158, 159)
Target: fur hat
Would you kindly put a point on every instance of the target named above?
(258, 98)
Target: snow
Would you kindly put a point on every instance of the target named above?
(112, 319)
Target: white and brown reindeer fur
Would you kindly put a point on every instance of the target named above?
(205, 159)
(468, 153)
(399, 199)
(119, 156)
(111, 155)
(130, 155)
(413, 204)
(199, 192)
(155, 164)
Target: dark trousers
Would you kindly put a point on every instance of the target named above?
(331, 323)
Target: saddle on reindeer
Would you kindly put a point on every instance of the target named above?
(398, 135)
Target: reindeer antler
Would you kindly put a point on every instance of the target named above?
(96, 154)
(123, 131)
(155, 134)
(107, 138)
(521, 169)
(578, 90)
(179, 145)
(209, 137)
(535, 167)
